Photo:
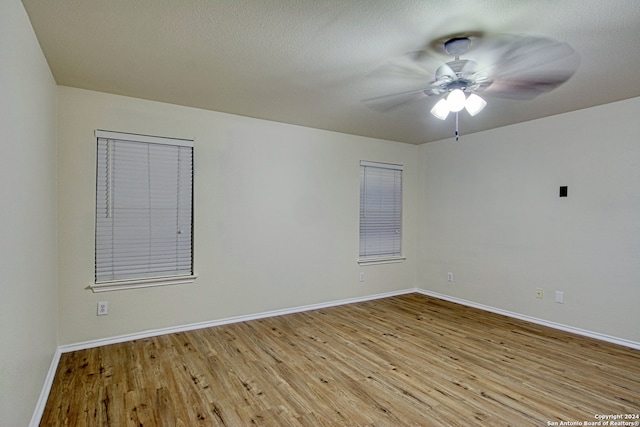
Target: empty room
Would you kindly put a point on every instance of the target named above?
(320, 213)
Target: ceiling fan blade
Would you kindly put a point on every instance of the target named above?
(518, 89)
(393, 101)
(411, 70)
(523, 67)
(418, 65)
(403, 68)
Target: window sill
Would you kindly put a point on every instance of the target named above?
(381, 260)
(119, 285)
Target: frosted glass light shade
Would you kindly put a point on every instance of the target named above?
(456, 100)
(474, 104)
(441, 109)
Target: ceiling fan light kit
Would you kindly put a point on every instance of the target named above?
(474, 104)
(455, 102)
(441, 109)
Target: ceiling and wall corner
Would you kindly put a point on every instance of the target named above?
(308, 63)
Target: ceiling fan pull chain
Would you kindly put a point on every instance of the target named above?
(457, 133)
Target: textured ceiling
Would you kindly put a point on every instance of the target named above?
(309, 62)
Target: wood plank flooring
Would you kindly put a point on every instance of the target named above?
(409, 360)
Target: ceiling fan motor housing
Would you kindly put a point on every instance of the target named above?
(458, 74)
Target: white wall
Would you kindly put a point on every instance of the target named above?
(28, 286)
(276, 216)
(490, 213)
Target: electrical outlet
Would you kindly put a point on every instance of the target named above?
(560, 297)
(449, 277)
(103, 308)
(539, 293)
(362, 276)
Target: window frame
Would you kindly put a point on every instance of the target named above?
(394, 256)
(149, 280)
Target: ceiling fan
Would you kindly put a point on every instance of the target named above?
(504, 66)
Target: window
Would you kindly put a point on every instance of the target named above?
(144, 211)
(380, 212)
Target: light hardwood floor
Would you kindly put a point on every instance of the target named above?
(409, 360)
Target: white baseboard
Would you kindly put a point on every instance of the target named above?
(193, 326)
(183, 328)
(46, 388)
(559, 326)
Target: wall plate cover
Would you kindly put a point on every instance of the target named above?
(103, 308)
(564, 191)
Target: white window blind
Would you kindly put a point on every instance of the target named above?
(144, 208)
(380, 210)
